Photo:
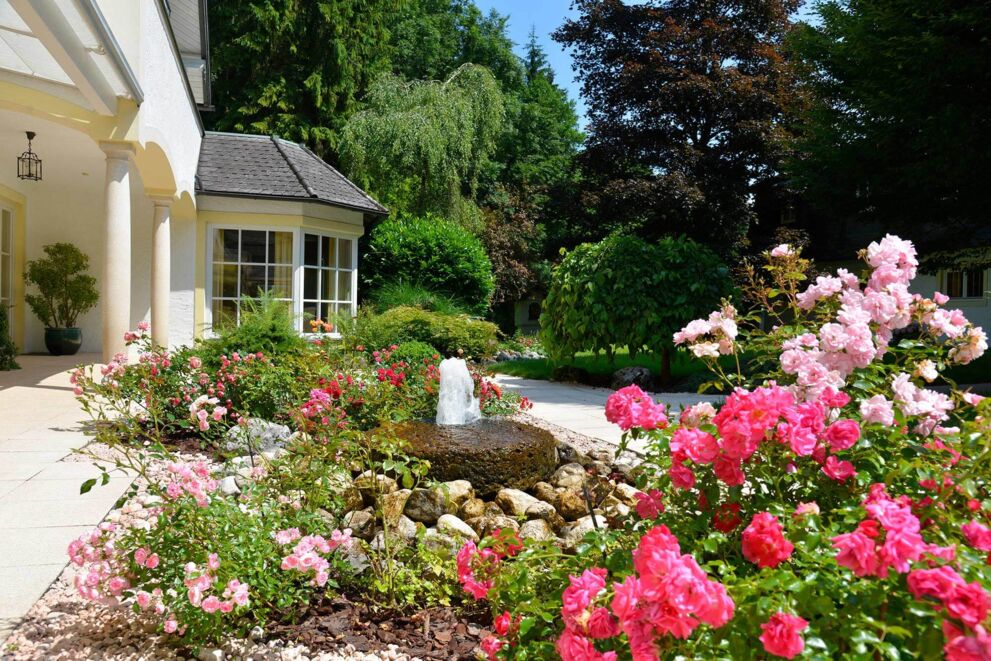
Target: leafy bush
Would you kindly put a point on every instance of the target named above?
(624, 291)
(452, 335)
(833, 505)
(402, 293)
(267, 326)
(65, 290)
(415, 353)
(432, 253)
(8, 350)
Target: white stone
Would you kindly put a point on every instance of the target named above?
(455, 527)
(515, 502)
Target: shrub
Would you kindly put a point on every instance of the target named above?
(401, 293)
(415, 353)
(451, 335)
(8, 350)
(65, 290)
(624, 291)
(432, 253)
(267, 326)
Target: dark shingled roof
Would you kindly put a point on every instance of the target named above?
(268, 167)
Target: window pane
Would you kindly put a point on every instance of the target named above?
(224, 314)
(309, 314)
(344, 309)
(311, 249)
(327, 280)
(326, 251)
(280, 281)
(345, 248)
(344, 285)
(225, 246)
(311, 287)
(225, 280)
(252, 246)
(975, 282)
(954, 284)
(252, 280)
(280, 247)
(327, 312)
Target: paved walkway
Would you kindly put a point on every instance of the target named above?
(581, 409)
(41, 510)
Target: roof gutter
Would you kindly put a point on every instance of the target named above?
(99, 24)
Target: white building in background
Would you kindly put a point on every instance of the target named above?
(178, 223)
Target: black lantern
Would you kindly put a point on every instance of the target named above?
(28, 163)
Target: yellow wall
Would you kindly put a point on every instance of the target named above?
(346, 224)
(11, 198)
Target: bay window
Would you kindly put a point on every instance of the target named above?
(314, 273)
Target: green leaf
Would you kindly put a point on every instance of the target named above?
(87, 485)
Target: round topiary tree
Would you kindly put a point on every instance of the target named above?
(433, 253)
(624, 291)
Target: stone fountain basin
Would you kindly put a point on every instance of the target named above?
(491, 453)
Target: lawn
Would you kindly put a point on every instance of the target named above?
(682, 366)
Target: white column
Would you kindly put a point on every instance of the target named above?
(161, 271)
(116, 295)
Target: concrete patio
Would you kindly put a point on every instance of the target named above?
(581, 409)
(41, 509)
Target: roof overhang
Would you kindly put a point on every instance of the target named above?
(49, 44)
(288, 198)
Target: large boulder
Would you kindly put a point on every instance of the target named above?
(632, 376)
(491, 453)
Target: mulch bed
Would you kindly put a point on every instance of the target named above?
(435, 633)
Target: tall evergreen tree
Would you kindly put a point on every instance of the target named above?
(296, 68)
(899, 132)
(687, 104)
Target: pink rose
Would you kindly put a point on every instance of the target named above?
(631, 407)
(764, 542)
(211, 604)
(878, 410)
(843, 434)
(856, 551)
(572, 646)
(977, 535)
(491, 646)
(840, 471)
(682, 477)
(968, 603)
(782, 635)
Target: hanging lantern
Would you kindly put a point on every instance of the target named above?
(28, 163)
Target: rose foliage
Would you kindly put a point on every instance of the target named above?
(833, 505)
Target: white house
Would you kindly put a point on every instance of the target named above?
(178, 222)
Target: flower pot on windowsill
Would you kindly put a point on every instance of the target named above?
(63, 341)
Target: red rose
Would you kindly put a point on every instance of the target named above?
(782, 635)
(764, 542)
(727, 517)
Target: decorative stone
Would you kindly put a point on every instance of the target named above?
(455, 527)
(428, 505)
(210, 654)
(458, 491)
(569, 476)
(257, 634)
(491, 454)
(361, 523)
(228, 486)
(571, 504)
(342, 485)
(515, 502)
(357, 557)
(545, 492)
(627, 494)
(615, 510)
(405, 529)
(471, 508)
(438, 542)
(569, 454)
(634, 375)
(485, 525)
(491, 509)
(273, 454)
(537, 529)
(259, 435)
(601, 468)
(545, 512)
(393, 504)
(371, 486)
(604, 456)
(574, 533)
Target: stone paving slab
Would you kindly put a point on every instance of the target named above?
(581, 409)
(41, 509)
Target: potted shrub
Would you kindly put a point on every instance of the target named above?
(66, 291)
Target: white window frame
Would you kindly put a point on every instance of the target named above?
(297, 269)
(302, 267)
(7, 278)
(967, 296)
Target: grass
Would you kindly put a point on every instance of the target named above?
(541, 368)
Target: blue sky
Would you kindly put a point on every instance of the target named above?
(544, 16)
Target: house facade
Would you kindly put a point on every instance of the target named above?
(178, 222)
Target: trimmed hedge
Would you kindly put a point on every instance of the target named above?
(449, 334)
(433, 253)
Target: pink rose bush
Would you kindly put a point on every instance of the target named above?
(832, 502)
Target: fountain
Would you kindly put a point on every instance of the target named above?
(491, 453)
